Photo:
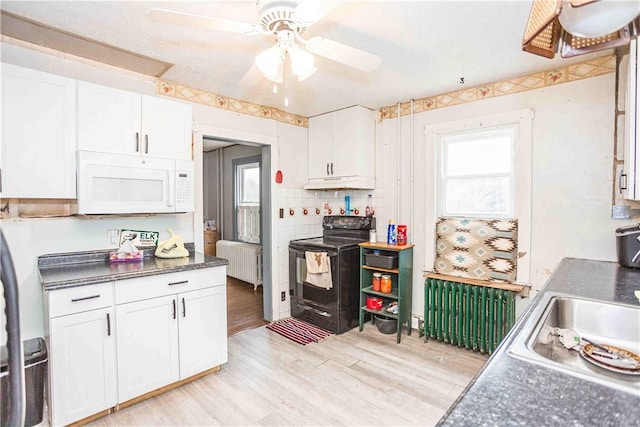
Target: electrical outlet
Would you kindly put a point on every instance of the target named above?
(113, 235)
(283, 296)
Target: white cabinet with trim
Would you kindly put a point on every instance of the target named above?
(147, 346)
(342, 149)
(202, 346)
(169, 327)
(630, 178)
(38, 148)
(115, 341)
(82, 352)
(117, 121)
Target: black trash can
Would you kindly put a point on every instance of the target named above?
(35, 363)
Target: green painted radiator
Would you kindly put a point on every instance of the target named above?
(475, 317)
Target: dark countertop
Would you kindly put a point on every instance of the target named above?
(509, 391)
(58, 271)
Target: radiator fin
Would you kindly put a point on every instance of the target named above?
(474, 317)
(245, 260)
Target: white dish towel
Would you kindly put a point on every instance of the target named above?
(318, 269)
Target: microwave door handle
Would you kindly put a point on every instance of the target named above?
(171, 189)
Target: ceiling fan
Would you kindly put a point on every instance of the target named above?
(286, 20)
(575, 27)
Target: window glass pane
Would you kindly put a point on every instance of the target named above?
(250, 185)
(491, 195)
(480, 155)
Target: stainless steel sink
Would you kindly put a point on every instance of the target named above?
(606, 323)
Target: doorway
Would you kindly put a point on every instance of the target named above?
(237, 204)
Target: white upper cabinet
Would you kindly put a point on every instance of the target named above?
(117, 121)
(166, 128)
(342, 149)
(37, 155)
(630, 179)
(321, 147)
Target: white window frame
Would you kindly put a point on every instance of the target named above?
(445, 139)
(240, 168)
(523, 175)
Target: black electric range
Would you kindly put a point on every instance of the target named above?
(336, 308)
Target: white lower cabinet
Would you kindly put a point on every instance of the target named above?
(165, 339)
(202, 346)
(165, 328)
(82, 354)
(147, 346)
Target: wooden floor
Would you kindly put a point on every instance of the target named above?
(244, 306)
(350, 379)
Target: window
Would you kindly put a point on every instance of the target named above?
(481, 168)
(247, 201)
(248, 178)
(477, 173)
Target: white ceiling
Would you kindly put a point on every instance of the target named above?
(425, 46)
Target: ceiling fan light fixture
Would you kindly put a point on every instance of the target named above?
(302, 62)
(271, 63)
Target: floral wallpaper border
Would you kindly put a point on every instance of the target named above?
(582, 70)
(186, 93)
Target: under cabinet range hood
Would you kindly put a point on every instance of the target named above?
(342, 183)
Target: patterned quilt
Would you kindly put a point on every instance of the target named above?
(484, 249)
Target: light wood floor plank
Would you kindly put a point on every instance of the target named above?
(352, 379)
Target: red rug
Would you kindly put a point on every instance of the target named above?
(298, 331)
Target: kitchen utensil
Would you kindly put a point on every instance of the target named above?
(596, 345)
(603, 355)
(386, 325)
(625, 362)
(374, 303)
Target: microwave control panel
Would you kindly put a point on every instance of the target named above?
(185, 201)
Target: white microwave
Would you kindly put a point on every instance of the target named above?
(121, 184)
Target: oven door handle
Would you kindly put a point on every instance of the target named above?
(315, 310)
(303, 252)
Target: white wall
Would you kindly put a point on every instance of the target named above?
(573, 143)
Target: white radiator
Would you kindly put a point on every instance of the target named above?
(245, 260)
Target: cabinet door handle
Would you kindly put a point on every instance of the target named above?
(108, 325)
(331, 168)
(622, 174)
(85, 298)
(182, 282)
(184, 308)
(174, 308)
(146, 144)
(327, 168)
(137, 142)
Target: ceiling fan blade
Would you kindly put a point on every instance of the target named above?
(311, 11)
(199, 21)
(347, 55)
(251, 78)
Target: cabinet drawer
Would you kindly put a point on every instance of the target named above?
(80, 298)
(167, 284)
